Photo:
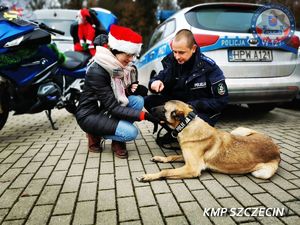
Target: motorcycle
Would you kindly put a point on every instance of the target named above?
(34, 76)
(70, 78)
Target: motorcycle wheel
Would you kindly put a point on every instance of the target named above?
(72, 104)
(4, 109)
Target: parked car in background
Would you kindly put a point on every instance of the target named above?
(257, 75)
(62, 19)
(297, 100)
(297, 33)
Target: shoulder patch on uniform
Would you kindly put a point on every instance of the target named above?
(209, 60)
(221, 89)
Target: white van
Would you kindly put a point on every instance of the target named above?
(61, 19)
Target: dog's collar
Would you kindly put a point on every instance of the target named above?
(183, 123)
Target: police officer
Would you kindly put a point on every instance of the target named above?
(191, 77)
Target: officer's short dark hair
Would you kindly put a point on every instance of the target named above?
(188, 35)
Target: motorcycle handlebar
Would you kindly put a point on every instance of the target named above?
(45, 27)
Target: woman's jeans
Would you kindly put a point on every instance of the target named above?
(126, 131)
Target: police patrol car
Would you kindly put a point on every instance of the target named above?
(259, 71)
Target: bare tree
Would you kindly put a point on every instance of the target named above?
(37, 4)
(74, 4)
(167, 4)
(63, 3)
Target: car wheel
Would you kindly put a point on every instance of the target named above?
(262, 107)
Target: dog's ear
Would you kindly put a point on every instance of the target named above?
(191, 107)
(177, 115)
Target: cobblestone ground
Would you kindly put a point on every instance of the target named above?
(48, 177)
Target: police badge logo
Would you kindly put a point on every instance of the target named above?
(273, 24)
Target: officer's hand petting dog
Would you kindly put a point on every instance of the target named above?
(157, 86)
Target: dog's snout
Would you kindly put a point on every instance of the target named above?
(154, 110)
(159, 111)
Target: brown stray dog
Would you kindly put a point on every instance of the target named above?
(204, 147)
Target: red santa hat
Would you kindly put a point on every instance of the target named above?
(124, 39)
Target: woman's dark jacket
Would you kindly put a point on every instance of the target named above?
(198, 82)
(98, 111)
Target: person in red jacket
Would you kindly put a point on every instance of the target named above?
(86, 32)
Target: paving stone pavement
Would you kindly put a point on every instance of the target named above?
(48, 177)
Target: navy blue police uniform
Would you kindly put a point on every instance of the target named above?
(199, 82)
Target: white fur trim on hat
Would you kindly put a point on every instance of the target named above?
(124, 46)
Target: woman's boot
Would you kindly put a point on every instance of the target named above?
(120, 149)
(94, 143)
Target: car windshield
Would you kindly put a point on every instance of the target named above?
(163, 31)
(62, 25)
(231, 18)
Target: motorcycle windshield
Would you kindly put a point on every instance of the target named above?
(106, 18)
(12, 26)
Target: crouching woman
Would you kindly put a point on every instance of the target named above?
(108, 105)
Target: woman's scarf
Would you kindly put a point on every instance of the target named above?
(120, 75)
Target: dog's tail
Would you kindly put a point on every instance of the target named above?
(266, 170)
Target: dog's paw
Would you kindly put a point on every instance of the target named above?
(157, 159)
(142, 179)
(153, 160)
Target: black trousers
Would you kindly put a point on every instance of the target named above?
(152, 101)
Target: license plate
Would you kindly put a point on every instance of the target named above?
(249, 55)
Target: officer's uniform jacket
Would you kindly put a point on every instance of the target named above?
(198, 82)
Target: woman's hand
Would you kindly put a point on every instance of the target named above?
(133, 87)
